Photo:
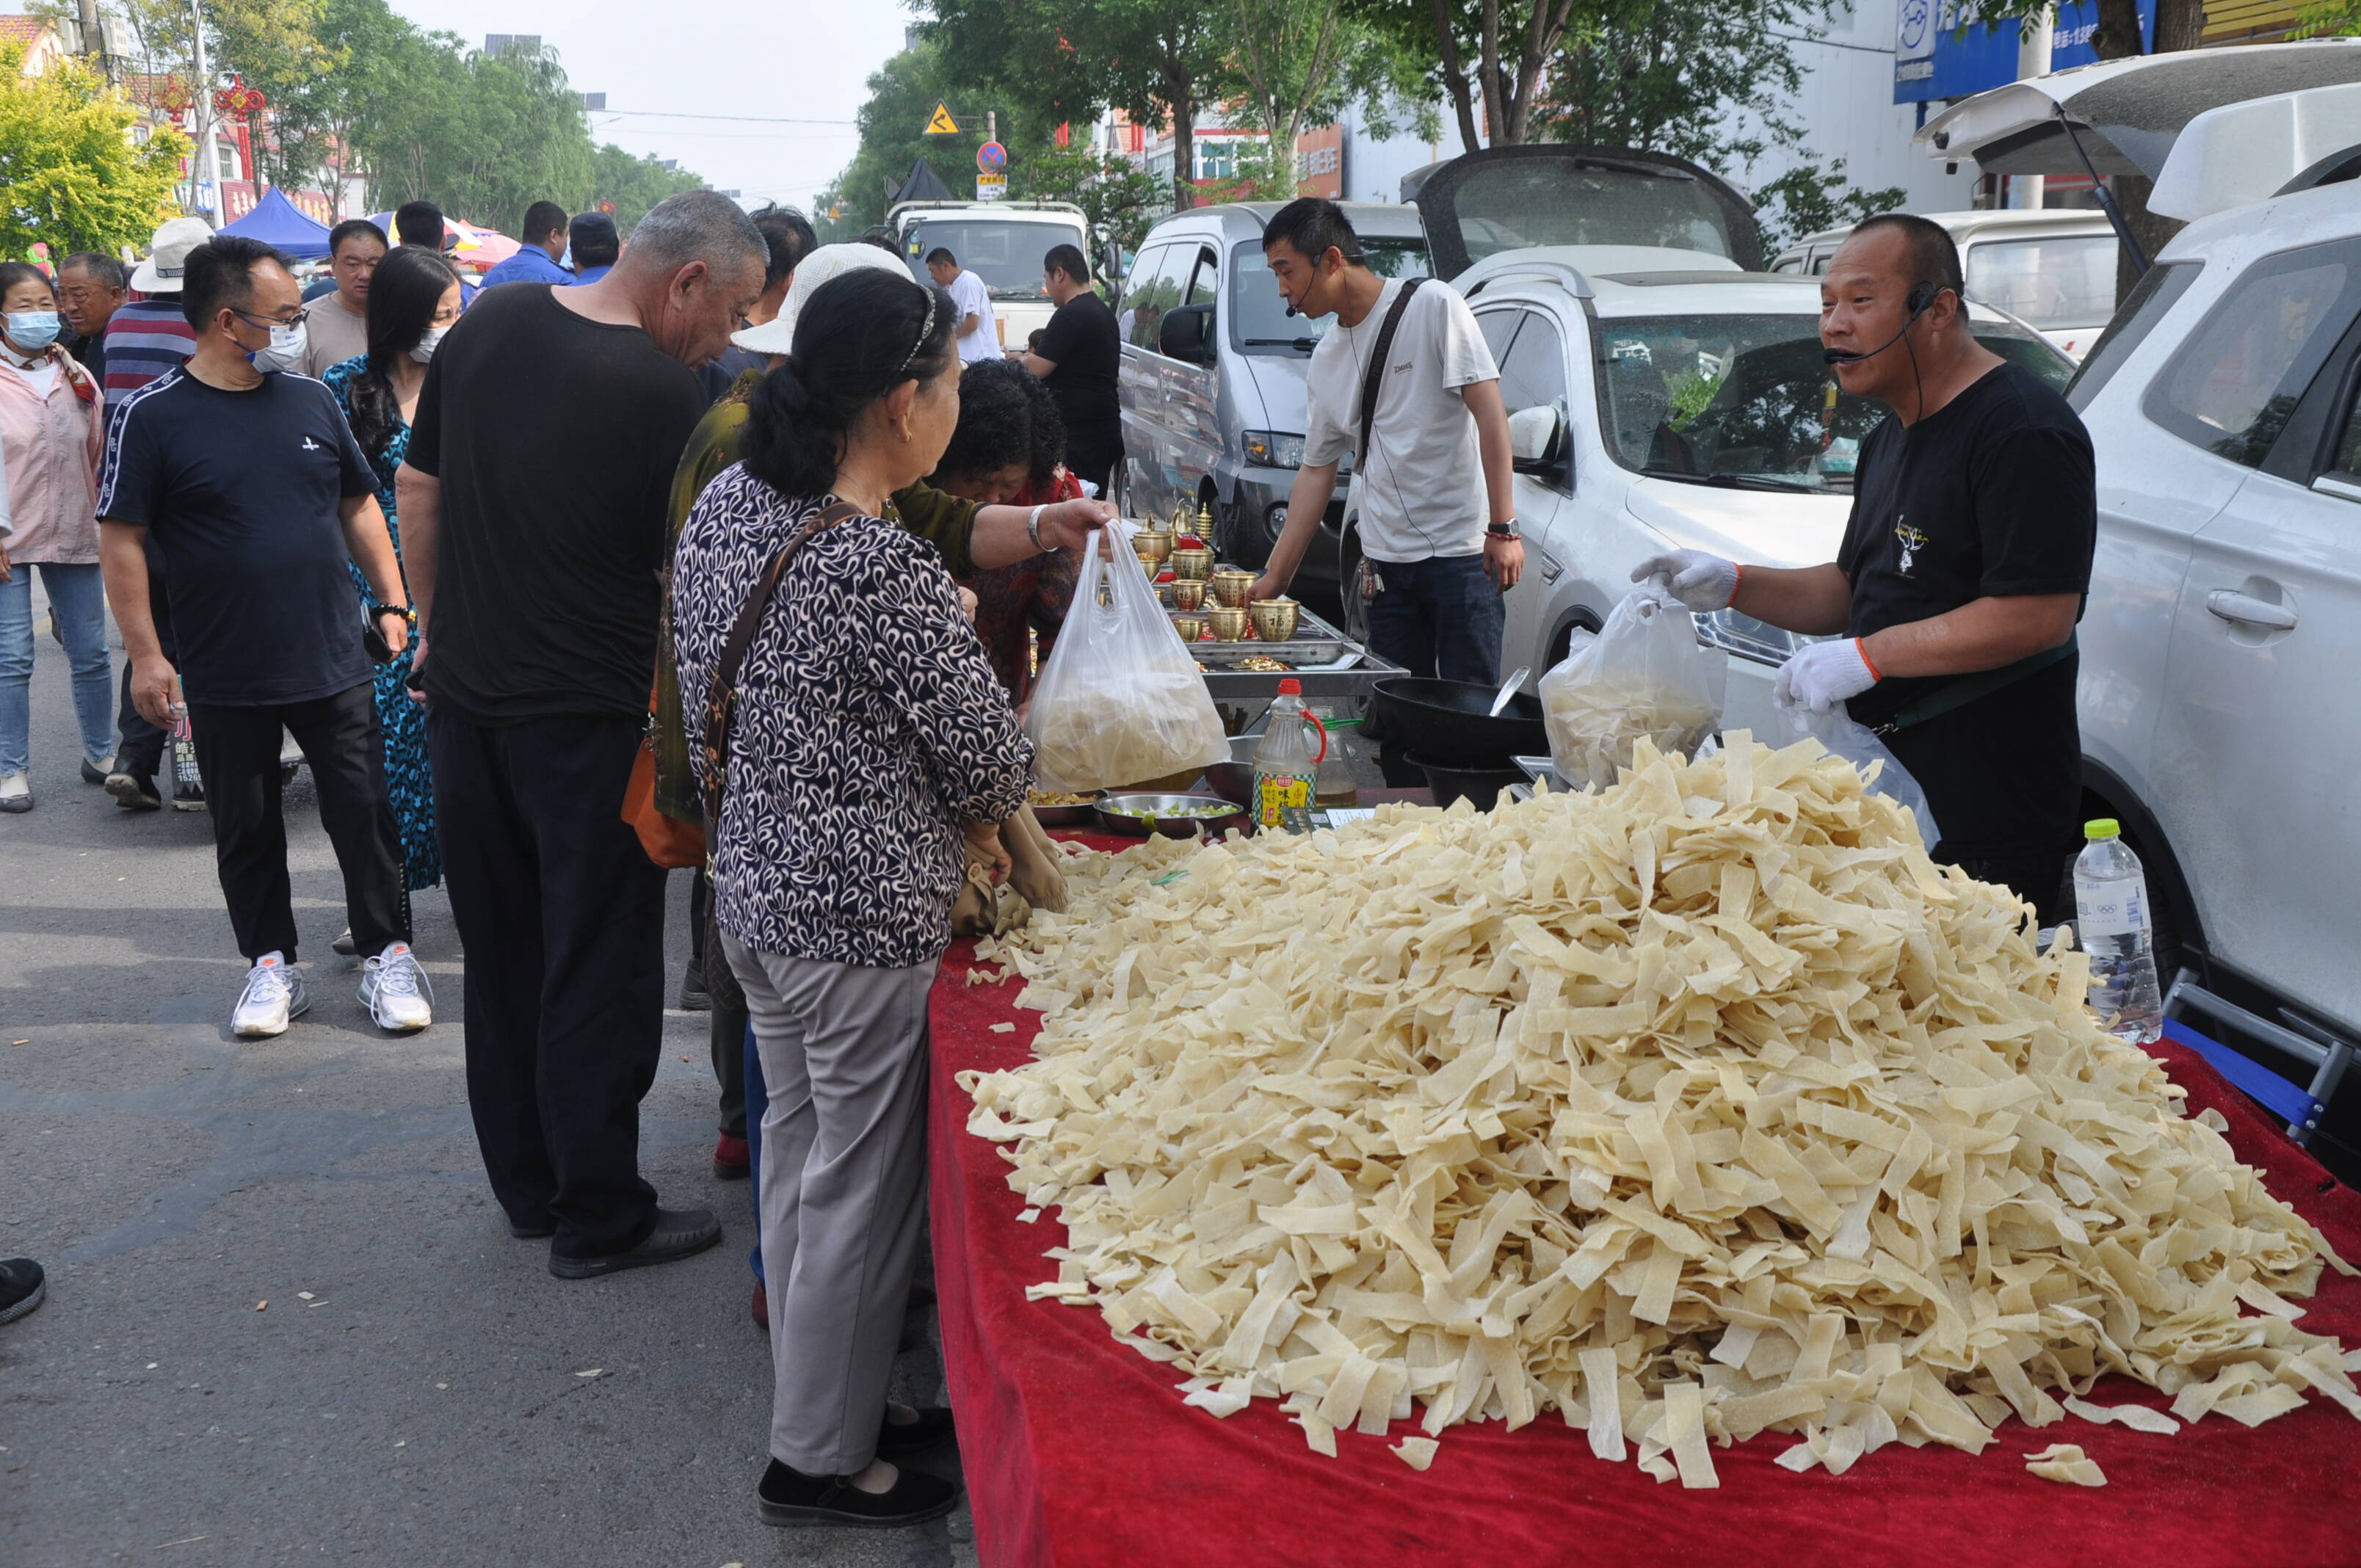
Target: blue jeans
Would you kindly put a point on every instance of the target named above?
(758, 1100)
(79, 602)
(1438, 619)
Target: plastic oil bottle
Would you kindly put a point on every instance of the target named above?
(2111, 922)
(1287, 763)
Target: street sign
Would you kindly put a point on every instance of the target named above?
(992, 158)
(990, 187)
(941, 124)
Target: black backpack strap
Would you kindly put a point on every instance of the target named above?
(1373, 377)
(721, 696)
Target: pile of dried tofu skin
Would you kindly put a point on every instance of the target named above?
(1703, 1106)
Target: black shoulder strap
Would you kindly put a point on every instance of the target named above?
(721, 696)
(1374, 377)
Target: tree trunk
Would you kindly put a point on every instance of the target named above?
(1489, 67)
(1455, 75)
(1184, 137)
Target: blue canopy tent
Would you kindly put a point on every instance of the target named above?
(276, 221)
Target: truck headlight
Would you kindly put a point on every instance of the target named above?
(1273, 449)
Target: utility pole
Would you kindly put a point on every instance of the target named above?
(201, 99)
(93, 38)
(2033, 45)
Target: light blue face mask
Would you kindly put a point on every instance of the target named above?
(32, 331)
(566, 260)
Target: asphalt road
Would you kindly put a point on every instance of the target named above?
(418, 1388)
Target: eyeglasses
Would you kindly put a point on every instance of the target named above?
(303, 313)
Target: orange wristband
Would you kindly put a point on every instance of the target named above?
(1861, 645)
(1737, 582)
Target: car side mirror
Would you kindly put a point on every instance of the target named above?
(1186, 332)
(1537, 438)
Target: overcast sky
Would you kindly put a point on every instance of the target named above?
(680, 64)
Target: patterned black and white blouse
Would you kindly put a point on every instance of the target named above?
(869, 726)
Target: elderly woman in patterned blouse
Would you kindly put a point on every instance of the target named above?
(869, 738)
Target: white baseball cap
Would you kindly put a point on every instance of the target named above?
(168, 255)
(777, 336)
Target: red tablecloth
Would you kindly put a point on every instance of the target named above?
(1079, 1451)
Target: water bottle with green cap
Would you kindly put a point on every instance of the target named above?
(2112, 925)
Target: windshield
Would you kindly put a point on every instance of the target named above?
(1005, 255)
(1747, 400)
(2049, 283)
(1511, 205)
(1259, 316)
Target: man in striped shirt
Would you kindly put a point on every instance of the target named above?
(144, 339)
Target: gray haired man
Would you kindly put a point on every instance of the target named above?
(533, 519)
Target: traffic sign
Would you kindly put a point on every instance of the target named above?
(990, 187)
(941, 124)
(992, 158)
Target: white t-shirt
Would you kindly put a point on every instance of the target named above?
(970, 297)
(40, 375)
(1423, 487)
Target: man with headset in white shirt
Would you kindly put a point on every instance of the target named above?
(1438, 524)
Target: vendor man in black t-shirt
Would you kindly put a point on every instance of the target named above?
(1077, 357)
(1952, 601)
(257, 496)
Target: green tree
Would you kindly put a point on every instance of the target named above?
(1496, 56)
(1808, 199)
(633, 183)
(1300, 62)
(1121, 200)
(70, 175)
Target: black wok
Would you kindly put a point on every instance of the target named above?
(1446, 722)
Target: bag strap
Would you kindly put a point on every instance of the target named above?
(721, 696)
(1968, 688)
(1374, 376)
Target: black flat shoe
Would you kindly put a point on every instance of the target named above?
(540, 1231)
(787, 1496)
(932, 1428)
(679, 1232)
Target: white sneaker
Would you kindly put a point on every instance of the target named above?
(273, 994)
(16, 791)
(395, 989)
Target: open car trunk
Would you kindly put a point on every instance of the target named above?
(1509, 198)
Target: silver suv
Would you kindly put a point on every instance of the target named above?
(1212, 378)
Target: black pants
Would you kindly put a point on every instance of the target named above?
(1440, 618)
(562, 917)
(726, 1037)
(2003, 777)
(140, 751)
(237, 750)
(1091, 453)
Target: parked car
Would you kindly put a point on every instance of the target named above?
(1659, 400)
(2051, 268)
(1213, 367)
(1000, 242)
(2219, 715)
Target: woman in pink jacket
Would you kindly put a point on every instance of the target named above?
(52, 426)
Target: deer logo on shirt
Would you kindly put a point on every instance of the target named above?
(1913, 541)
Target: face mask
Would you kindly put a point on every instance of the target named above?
(32, 331)
(566, 260)
(423, 350)
(285, 350)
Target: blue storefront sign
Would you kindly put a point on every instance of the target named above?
(1936, 57)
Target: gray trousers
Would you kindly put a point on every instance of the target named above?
(843, 1190)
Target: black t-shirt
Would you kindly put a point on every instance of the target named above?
(1992, 495)
(1082, 343)
(239, 493)
(554, 438)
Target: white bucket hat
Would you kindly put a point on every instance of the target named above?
(777, 336)
(168, 255)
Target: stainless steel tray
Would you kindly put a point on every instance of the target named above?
(1315, 643)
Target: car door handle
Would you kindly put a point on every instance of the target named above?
(2228, 604)
(1550, 570)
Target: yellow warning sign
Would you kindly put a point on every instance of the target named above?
(942, 124)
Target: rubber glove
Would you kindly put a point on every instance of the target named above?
(1824, 675)
(1701, 581)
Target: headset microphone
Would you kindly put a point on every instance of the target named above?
(1291, 312)
(1919, 299)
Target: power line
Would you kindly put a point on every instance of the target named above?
(746, 119)
(1800, 38)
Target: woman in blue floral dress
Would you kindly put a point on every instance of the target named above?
(413, 300)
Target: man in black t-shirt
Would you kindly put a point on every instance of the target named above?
(533, 503)
(1963, 569)
(254, 495)
(1077, 357)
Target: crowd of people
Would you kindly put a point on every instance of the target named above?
(743, 517)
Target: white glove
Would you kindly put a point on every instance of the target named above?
(1703, 582)
(1824, 675)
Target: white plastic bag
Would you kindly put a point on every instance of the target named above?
(1645, 674)
(1121, 701)
(1880, 770)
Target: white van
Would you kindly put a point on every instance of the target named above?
(2051, 268)
(1000, 242)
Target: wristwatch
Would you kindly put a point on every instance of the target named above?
(1503, 530)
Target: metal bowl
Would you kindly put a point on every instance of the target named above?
(1233, 779)
(1084, 816)
(1114, 816)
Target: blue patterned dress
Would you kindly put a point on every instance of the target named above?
(400, 721)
